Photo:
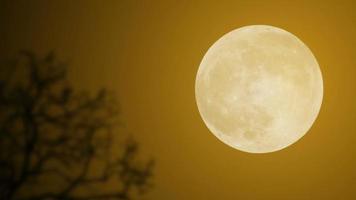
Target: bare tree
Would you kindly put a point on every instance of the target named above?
(56, 143)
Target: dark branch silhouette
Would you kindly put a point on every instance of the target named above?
(56, 143)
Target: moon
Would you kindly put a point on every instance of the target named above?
(259, 89)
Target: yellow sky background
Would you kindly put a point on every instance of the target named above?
(148, 53)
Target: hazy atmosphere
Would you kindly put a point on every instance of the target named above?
(147, 53)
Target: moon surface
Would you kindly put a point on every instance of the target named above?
(259, 89)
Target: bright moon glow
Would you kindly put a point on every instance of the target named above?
(259, 89)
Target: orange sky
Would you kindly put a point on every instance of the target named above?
(148, 53)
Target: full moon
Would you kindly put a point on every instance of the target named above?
(259, 89)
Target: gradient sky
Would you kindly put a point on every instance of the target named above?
(148, 53)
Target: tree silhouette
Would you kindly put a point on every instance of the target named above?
(56, 143)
